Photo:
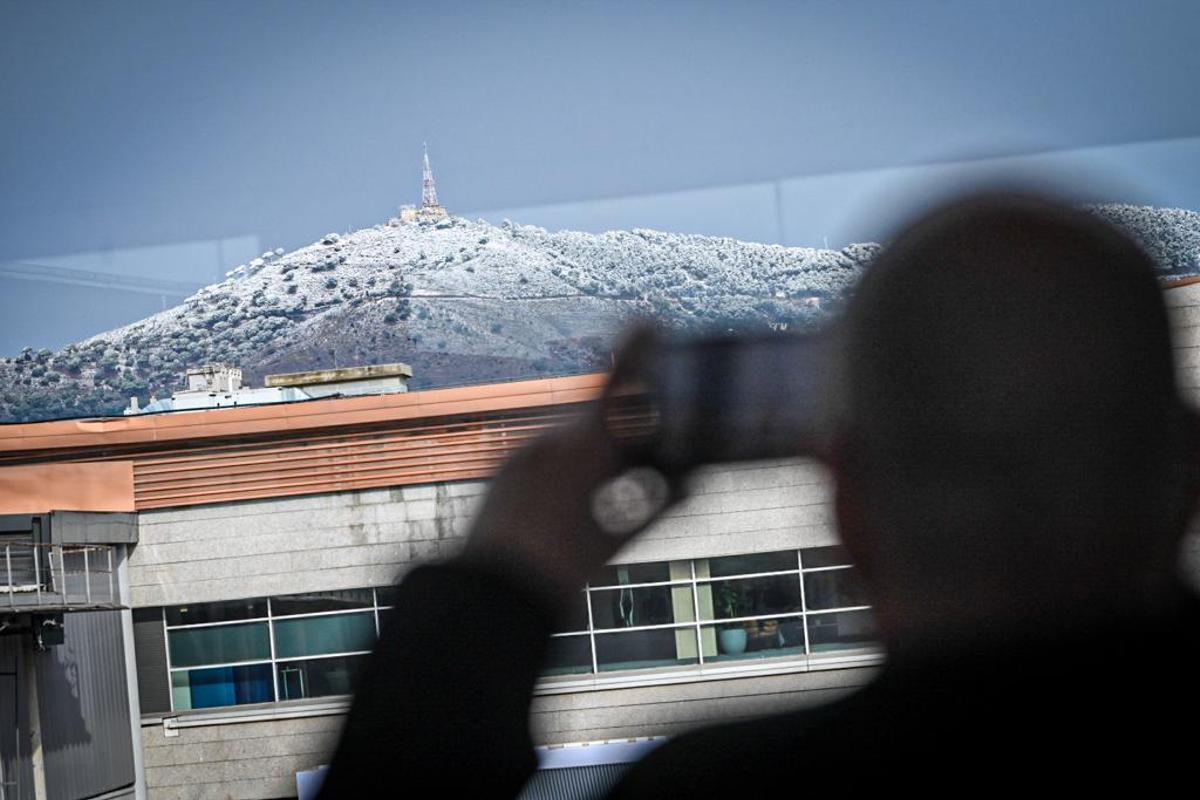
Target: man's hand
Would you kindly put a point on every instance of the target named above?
(563, 506)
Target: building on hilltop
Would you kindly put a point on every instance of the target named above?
(431, 210)
(220, 385)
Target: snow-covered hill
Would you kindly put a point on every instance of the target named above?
(461, 301)
(464, 302)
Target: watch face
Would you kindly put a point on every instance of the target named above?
(629, 501)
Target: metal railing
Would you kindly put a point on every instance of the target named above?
(57, 576)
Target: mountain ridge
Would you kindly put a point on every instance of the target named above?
(465, 301)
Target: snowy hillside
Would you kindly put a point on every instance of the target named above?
(461, 301)
(467, 302)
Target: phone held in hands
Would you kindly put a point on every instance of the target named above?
(725, 398)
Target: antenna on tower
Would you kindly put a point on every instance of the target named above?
(428, 189)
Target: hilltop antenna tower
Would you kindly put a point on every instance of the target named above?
(428, 189)
(431, 210)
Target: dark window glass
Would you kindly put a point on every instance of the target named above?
(575, 616)
(753, 562)
(622, 574)
(764, 638)
(649, 605)
(316, 602)
(835, 588)
(386, 595)
(832, 556)
(220, 644)
(195, 613)
(839, 631)
(318, 677)
(221, 686)
(642, 649)
(748, 597)
(568, 655)
(314, 636)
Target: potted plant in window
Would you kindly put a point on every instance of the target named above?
(732, 637)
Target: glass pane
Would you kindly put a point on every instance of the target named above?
(642, 649)
(221, 686)
(837, 588)
(832, 556)
(575, 617)
(753, 562)
(840, 631)
(386, 595)
(621, 574)
(195, 613)
(314, 636)
(318, 677)
(764, 638)
(748, 597)
(649, 605)
(315, 602)
(568, 655)
(220, 644)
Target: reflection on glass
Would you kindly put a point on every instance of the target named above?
(311, 636)
(832, 556)
(763, 638)
(649, 605)
(318, 677)
(568, 655)
(748, 597)
(196, 613)
(642, 649)
(622, 574)
(752, 563)
(221, 686)
(220, 644)
(315, 602)
(840, 631)
(835, 588)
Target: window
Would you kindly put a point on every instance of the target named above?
(711, 610)
(270, 648)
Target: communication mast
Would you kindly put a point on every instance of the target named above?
(428, 189)
(431, 210)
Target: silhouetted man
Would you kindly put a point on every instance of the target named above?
(1015, 470)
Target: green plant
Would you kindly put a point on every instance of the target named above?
(729, 600)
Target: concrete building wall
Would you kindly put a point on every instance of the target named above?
(247, 760)
(366, 538)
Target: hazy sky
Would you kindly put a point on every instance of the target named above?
(153, 122)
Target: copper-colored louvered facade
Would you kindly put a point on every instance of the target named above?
(232, 454)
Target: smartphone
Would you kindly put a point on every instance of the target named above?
(729, 398)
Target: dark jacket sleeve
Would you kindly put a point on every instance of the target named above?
(444, 700)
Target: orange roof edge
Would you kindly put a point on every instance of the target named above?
(313, 414)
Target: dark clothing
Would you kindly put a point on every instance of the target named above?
(444, 704)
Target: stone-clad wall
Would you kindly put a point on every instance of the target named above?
(366, 538)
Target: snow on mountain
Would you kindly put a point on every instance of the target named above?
(467, 302)
(461, 301)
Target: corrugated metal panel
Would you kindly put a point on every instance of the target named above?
(14, 721)
(573, 783)
(150, 651)
(85, 708)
